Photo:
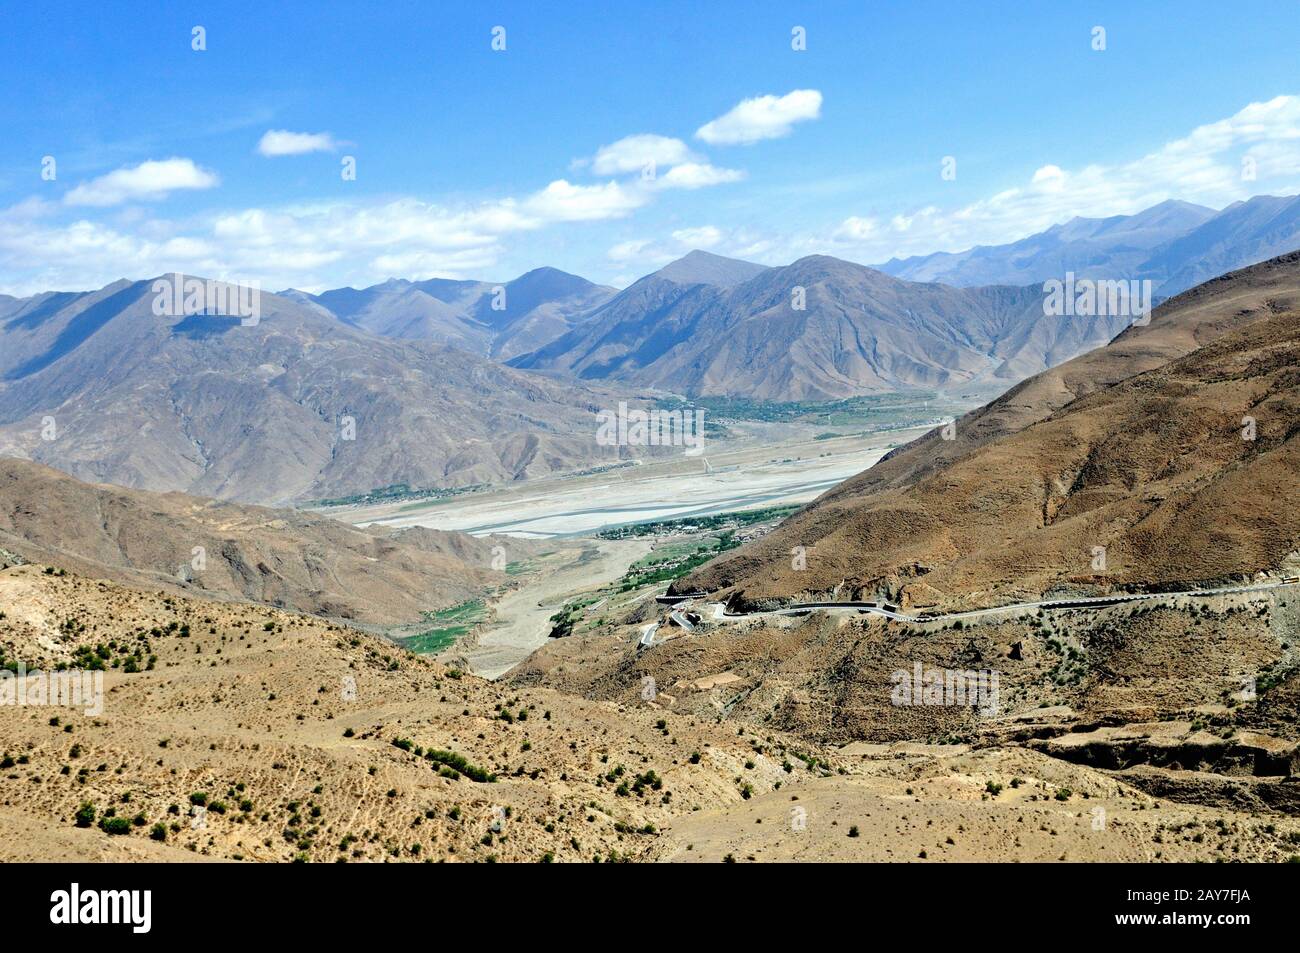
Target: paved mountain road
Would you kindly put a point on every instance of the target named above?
(719, 613)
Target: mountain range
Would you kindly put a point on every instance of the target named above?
(449, 383)
(299, 405)
(820, 328)
(1175, 245)
(493, 320)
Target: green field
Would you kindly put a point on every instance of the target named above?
(718, 521)
(671, 560)
(448, 625)
(396, 493)
(859, 416)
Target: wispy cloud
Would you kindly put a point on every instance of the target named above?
(763, 117)
(660, 162)
(282, 142)
(697, 175)
(638, 152)
(705, 236)
(308, 246)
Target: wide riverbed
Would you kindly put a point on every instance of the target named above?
(771, 476)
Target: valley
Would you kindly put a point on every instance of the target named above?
(715, 482)
(470, 629)
(574, 517)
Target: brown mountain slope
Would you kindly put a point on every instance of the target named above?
(1177, 327)
(298, 406)
(816, 329)
(302, 740)
(1136, 448)
(287, 724)
(278, 557)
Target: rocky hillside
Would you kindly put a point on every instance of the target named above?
(298, 406)
(817, 329)
(188, 545)
(1174, 449)
(240, 733)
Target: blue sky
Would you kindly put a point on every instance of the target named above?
(472, 162)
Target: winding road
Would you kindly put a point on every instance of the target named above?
(720, 614)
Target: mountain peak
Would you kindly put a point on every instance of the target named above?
(705, 268)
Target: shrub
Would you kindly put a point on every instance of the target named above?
(458, 763)
(115, 825)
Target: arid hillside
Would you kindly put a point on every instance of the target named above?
(205, 548)
(1169, 457)
(819, 328)
(307, 740)
(233, 732)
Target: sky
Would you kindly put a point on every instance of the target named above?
(606, 139)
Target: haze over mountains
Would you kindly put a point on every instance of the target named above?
(1175, 245)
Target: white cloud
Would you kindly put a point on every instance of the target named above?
(633, 250)
(634, 153)
(645, 255)
(154, 179)
(763, 117)
(661, 162)
(282, 142)
(857, 229)
(697, 175)
(305, 246)
(1048, 173)
(706, 236)
(562, 201)
(1205, 167)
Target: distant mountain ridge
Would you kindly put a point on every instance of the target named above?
(820, 328)
(1176, 245)
(705, 268)
(456, 382)
(497, 320)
